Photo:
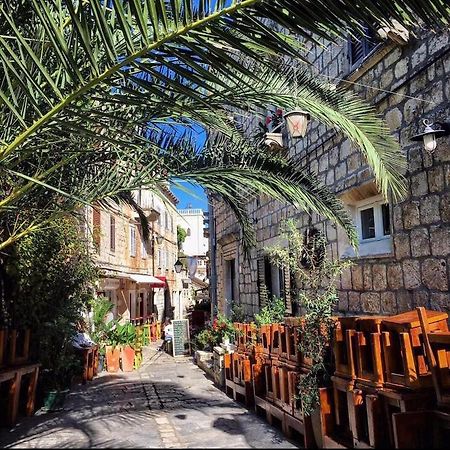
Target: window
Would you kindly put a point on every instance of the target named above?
(171, 224)
(373, 222)
(143, 249)
(273, 282)
(132, 240)
(159, 216)
(159, 258)
(112, 233)
(372, 217)
(230, 285)
(188, 232)
(96, 228)
(359, 49)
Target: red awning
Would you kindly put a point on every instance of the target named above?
(160, 285)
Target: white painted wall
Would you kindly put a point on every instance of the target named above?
(195, 244)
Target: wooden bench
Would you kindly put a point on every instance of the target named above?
(13, 376)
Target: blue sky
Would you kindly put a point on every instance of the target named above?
(197, 199)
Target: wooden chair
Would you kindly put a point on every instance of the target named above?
(437, 348)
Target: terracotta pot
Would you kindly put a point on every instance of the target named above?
(127, 355)
(112, 358)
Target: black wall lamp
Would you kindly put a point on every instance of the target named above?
(429, 135)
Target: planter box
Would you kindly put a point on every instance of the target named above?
(127, 355)
(112, 358)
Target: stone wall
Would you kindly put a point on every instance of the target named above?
(413, 83)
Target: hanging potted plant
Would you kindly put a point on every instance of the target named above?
(270, 131)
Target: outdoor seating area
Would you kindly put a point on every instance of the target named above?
(390, 386)
(18, 376)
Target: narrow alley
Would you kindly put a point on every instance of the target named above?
(167, 403)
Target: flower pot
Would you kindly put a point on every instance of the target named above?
(112, 358)
(274, 140)
(127, 355)
(54, 399)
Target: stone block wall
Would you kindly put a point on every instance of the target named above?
(412, 83)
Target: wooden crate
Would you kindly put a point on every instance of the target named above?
(291, 354)
(403, 350)
(266, 338)
(241, 332)
(13, 376)
(275, 341)
(397, 401)
(421, 429)
(343, 411)
(368, 351)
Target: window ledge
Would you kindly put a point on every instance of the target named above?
(375, 256)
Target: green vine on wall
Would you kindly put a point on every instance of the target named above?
(315, 289)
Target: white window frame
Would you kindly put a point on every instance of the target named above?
(132, 239)
(144, 253)
(380, 244)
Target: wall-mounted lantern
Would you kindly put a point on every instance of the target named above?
(429, 134)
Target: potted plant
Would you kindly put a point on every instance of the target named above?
(127, 337)
(270, 130)
(112, 349)
(101, 307)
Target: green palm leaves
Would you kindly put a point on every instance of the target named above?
(87, 85)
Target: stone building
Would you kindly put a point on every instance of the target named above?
(404, 246)
(139, 277)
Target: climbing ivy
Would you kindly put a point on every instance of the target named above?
(315, 278)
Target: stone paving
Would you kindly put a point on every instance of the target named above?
(167, 403)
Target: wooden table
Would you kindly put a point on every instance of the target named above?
(13, 376)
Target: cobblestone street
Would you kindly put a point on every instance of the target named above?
(167, 403)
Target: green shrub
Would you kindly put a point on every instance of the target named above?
(273, 312)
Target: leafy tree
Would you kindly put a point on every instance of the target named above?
(47, 287)
(181, 236)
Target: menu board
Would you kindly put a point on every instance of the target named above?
(180, 342)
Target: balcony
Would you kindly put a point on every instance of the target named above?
(151, 213)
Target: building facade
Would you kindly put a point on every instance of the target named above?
(404, 250)
(195, 247)
(137, 276)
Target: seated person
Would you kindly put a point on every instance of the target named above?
(168, 334)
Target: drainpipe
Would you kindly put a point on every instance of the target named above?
(212, 258)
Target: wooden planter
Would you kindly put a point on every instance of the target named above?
(127, 355)
(112, 358)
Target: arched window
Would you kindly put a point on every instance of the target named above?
(188, 232)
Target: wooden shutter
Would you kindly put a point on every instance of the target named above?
(96, 226)
(112, 233)
(262, 288)
(287, 290)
